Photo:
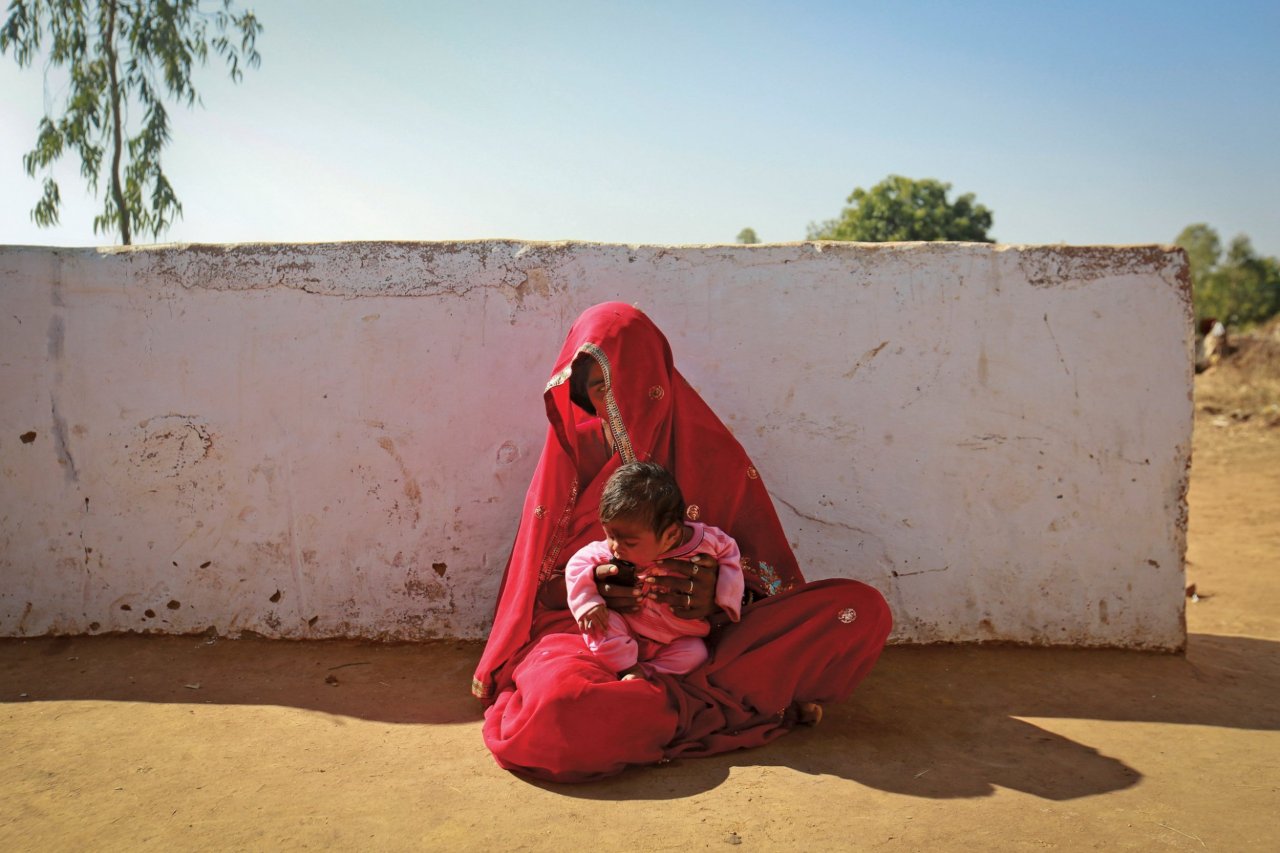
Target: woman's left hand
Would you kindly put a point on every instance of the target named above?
(687, 586)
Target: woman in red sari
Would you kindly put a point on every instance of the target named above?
(554, 711)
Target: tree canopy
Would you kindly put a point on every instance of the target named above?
(747, 236)
(1239, 286)
(900, 208)
(123, 57)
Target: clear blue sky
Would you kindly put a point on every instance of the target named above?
(682, 122)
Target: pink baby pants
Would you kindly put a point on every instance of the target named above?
(618, 649)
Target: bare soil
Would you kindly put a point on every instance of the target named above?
(115, 743)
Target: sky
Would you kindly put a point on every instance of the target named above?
(683, 122)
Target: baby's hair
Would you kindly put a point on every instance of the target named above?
(644, 492)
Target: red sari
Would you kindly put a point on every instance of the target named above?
(555, 712)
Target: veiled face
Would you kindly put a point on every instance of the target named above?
(596, 387)
(587, 385)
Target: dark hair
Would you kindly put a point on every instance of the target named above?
(578, 383)
(645, 492)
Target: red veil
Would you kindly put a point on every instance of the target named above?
(654, 415)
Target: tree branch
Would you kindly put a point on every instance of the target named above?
(117, 133)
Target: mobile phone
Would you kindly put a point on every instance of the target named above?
(626, 575)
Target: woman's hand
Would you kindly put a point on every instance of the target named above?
(553, 594)
(687, 586)
(624, 598)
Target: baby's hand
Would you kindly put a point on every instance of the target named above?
(595, 620)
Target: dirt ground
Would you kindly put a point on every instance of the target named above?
(115, 743)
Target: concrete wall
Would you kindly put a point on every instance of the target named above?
(335, 440)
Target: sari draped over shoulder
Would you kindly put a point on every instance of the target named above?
(557, 713)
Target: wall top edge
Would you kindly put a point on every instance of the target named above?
(409, 268)
(818, 246)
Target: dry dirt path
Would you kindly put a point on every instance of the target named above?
(123, 743)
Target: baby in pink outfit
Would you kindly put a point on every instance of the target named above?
(643, 515)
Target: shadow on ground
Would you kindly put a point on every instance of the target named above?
(944, 722)
(939, 722)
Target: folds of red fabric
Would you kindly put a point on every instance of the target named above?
(565, 718)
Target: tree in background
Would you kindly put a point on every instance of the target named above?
(1203, 249)
(747, 236)
(1240, 287)
(901, 208)
(121, 54)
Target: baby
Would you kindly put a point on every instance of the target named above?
(643, 512)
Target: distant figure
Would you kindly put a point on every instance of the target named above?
(1215, 341)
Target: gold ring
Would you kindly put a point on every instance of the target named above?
(695, 567)
(690, 587)
(688, 602)
(606, 589)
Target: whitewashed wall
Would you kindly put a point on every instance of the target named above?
(335, 440)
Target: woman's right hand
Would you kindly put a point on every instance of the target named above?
(619, 597)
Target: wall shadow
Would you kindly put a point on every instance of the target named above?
(936, 722)
(419, 683)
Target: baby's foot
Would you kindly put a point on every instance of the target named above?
(632, 673)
